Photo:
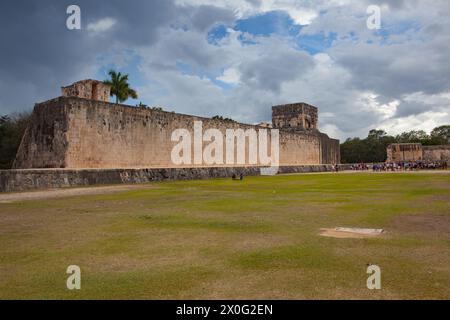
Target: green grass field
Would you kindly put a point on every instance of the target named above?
(224, 239)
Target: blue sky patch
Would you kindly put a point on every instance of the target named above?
(315, 43)
(273, 22)
(132, 68)
(217, 33)
(267, 24)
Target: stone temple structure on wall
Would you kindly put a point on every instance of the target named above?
(80, 138)
(295, 116)
(88, 89)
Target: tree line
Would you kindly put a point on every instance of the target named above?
(373, 147)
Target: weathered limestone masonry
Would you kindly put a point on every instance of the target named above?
(404, 152)
(87, 89)
(295, 115)
(70, 132)
(398, 152)
(297, 122)
(436, 153)
(29, 179)
(82, 130)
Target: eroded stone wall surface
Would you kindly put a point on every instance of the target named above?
(45, 144)
(70, 132)
(331, 150)
(436, 153)
(301, 116)
(398, 152)
(416, 152)
(88, 89)
(30, 179)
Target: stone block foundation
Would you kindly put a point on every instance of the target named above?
(29, 179)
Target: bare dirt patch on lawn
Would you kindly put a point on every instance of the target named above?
(68, 192)
(422, 223)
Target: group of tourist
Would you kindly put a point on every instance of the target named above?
(410, 165)
(359, 167)
(401, 166)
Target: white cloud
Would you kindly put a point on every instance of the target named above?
(425, 121)
(101, 25)
(230, 76)
(332, 131)
(302, 12)
(369, 104)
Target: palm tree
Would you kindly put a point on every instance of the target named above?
(120, 86)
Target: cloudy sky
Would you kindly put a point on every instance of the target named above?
(237, 58)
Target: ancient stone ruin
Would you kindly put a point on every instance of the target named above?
(87, 89)
(80, 139)
(296, 116)
(399, 152)
(82, 129)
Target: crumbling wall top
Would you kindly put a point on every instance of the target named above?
(298, 116)
(405, 146)
(88, 89)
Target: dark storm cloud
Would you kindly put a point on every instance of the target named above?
(269, 72)
(204, 17)
(395, 70)
(408, 108)
(39, 54)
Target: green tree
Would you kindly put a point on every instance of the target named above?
(4, 119)
(120, 86)
(12, 129)
(373, 148)
(222, 118)
(352, 150)
(441, 135)
(376, 135)
(414, 136)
